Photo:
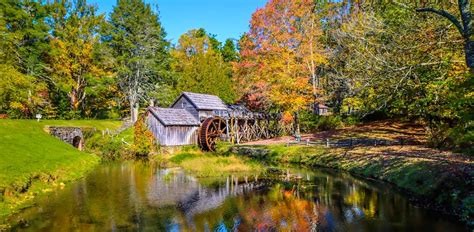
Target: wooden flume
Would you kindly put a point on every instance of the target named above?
(238, 126)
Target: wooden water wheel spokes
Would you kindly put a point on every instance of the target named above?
(211, 130)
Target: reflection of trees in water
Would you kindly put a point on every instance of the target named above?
(140, 197)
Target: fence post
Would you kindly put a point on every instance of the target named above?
(307, 142)
(327, 142)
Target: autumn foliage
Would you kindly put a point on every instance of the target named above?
(279, 56)
(144, 142)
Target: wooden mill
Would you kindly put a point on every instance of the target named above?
(203, 119)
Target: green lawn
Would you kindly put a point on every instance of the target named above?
(32, 161)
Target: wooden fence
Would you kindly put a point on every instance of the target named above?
(353, 142)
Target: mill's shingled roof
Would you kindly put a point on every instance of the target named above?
(204, 101)
(174, 117)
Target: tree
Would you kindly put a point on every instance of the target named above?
(19, 95)
(23, 45)
(24, 33)
(465, 27)
(138, 41)
(229, 51)
(280, 55)
(200, 68)
(74, 37)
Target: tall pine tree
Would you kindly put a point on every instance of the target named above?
(138, 42)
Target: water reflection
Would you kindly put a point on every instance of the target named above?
(139, 197)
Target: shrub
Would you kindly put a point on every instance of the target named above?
(106, 147)
(311, 122)
(463, 138)
(438, 135)
(328, 123)
(308, 121)
(144, 142)
(351, 120)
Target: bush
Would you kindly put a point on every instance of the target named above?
(308, 121)
(438, 135)
(328, 123)
(351, 120)
(311, 122)
(106, 147)
(463, 138)
(144, 141)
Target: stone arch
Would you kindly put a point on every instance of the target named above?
(71, 135)
(78, 142)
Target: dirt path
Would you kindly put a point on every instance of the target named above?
(384, 130)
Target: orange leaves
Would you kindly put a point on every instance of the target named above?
(281, 50)
(287, 117)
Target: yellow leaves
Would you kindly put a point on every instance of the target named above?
(282, 49)
(17, 106)
(72, 65)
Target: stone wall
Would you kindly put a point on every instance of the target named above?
(71, 135)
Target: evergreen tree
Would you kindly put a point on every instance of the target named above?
(229, 51)
(24, 35)
(139, 46)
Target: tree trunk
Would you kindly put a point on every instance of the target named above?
(134, 111)
(469, 49)
(296, 127)
(73, 99)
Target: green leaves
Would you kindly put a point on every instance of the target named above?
(200, 68)
(138, 44)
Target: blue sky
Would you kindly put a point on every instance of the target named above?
(225, 18)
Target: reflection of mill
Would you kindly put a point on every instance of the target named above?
(176, 188)
(204, 199)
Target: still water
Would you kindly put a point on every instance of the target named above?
(140, 197)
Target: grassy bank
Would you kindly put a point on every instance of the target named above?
(202, 164)
(443, 181)
(33, 162)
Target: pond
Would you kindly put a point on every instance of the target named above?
(140, 197)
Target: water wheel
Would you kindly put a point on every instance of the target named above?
(211, 130)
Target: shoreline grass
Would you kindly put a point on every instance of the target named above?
(202, 164)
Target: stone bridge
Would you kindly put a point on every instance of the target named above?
(71, 135)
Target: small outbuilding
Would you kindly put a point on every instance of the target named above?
(173, 127)
(321, 109)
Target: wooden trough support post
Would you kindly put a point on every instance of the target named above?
(227, 129)
(237, 129)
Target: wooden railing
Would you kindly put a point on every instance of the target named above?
(353, 142)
